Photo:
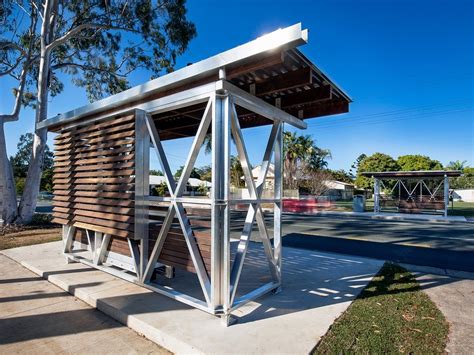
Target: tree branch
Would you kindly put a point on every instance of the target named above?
(75, 31)
(85, 68)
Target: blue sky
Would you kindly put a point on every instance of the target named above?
(408, 65)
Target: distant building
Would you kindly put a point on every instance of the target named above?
(336, 190)
(191, 186)
(270, 178)
(339, 190)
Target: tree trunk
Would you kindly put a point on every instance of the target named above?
(33, 179)
(27, 206)
(28, 201)
(9, 206)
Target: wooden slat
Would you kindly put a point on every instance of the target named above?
(69, 148)
(108, 209)
(95, 126)
(93, 154)
(105, 216)
(93, 176)
(97, 173)
(96, 227)
(58, 220)
(104, 223)
(292, 79)
(96, 160)
(95, 167)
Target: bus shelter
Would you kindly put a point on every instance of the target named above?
(412, 191)
(102, 160)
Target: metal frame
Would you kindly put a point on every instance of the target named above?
(289, 37)
(443, 182)
(220, 287)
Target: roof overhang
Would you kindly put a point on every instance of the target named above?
(269, 68)
(412, 174)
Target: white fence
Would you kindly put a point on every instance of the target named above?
(466, 195)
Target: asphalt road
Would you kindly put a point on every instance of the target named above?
(441, 245)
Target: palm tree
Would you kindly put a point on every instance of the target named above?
(301, 155)
(236, 172)
(457, 165)
(207, 144)
(318, 159)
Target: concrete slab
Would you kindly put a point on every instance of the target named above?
(317, 288)
(38, 317)
(455, 298)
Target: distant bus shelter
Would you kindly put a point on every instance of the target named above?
(102, 162)
(412, 191)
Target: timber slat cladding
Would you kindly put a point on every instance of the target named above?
(94, 185)
(175, 251)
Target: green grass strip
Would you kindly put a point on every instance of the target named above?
(391, 315)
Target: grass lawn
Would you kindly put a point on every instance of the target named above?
(18, 236)
(391, 315)
(465, 209)
(458, 208)
(346, 206)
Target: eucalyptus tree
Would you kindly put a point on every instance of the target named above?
(97, 43)
(18, 52)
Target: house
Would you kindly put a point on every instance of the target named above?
(192, 185)
(270, 178)
(336, 190)
(339, 190)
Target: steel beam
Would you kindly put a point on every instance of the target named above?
(254, 104)
(281, 39)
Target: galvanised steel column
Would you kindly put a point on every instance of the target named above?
(446, 194)
(376, 195)
(142, 189)
(220, 208)
(278, 205)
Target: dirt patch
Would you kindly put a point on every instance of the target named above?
(13, 236)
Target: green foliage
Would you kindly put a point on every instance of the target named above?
(418, 162)
(207, 144)
(46, 183)
(205, 172)
(156, 172)
(457, 165)
(236, 172)
(41, 219)
(20, 185)
(194, 173)
(375, 162)
(160, 190)
(104, 43)
(463, 182)
(20, 161)
(355, 166)
(341, 175)
(301, 156)
(202, 189)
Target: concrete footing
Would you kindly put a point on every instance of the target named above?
(317, 288)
